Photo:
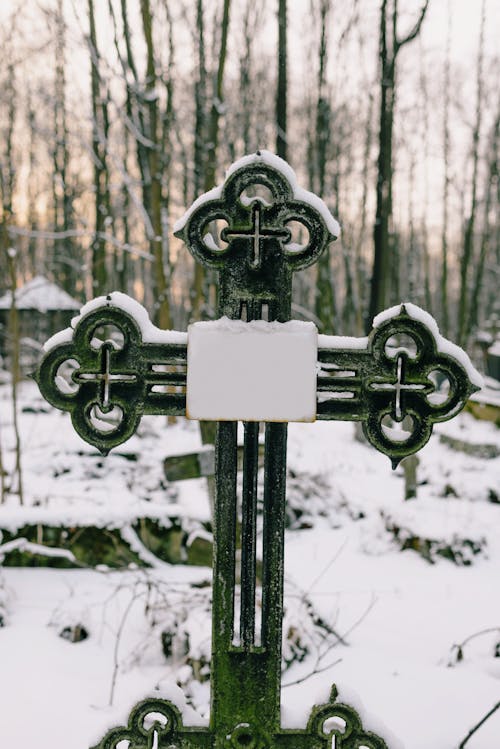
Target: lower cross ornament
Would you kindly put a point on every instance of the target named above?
(157, 724)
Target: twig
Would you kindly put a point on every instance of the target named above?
(341, 639)
(363, 616)
(478, 634)
(311, 673)
(116, 664)
(478, 725)
(325, 569)
(459, 647)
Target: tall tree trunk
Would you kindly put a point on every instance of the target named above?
(425, 292)
(32, 260)
(65, 255)
(282, 87)
(492, 180)
(200, 95)
(9, 262)
(15, 368)
(217, 106)
(360, 260)
(154, 176)
(468, 246)
(253, 11)
(389, 47)
(200, 154)
(99, 145)
(200, 286)
(412, 261)
(325, 294)
(445, 324)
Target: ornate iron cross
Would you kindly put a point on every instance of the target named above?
(373, 380)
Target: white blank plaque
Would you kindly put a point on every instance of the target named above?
(251, 371)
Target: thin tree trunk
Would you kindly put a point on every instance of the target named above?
(492, 179)
(15, 338)
(468, 246)
(32, 189)
(200, 290)
(282, 87)
(217, 102)
(446, 182)
(424, 234)
(412, 257)
(64, 249)
(253, 11)
(381, 262)
(389, 47)
(325, 295)
(200, 93)
(360, 262)
(101, 197)
(160, 263)
(200, 154)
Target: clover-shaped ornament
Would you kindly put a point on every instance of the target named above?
(111, 367)
(256, 255)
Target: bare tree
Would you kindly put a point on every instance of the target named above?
(65, 256)
(200, 95)
(282, 86)
(446, 181)
(487, 230)
(100, 130)
(325, 298)
(200, 290)
(153, 186)
(390, 45)
(468, 245)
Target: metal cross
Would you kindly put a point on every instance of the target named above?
(358, 379)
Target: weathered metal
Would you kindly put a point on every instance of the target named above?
(365, 380)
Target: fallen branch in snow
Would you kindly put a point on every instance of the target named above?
(130, 537)
(478, 725)
(22, 544)
(457, 650)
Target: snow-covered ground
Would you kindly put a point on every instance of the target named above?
(400, 614)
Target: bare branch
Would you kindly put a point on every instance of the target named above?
(415, 30)
(478, 725)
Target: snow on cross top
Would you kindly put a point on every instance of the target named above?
(270, 159)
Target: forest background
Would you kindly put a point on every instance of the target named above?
(116, 114)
